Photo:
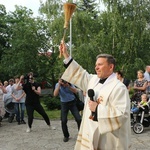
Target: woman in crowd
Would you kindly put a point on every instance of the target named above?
(2, 110)
(140, 85)
(19, 101)
(125, 81)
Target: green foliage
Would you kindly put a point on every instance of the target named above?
(131, 92)
(26, 37)
(125, 24)
(3, 30)
(53, 114)
(121, 30)
(51, 103)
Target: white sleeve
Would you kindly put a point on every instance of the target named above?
(67, 60)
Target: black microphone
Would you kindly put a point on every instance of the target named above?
(91, 96)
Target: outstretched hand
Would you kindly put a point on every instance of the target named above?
(63, 49)
(21, 77)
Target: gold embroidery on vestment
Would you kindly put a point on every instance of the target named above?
(100, 100)
(74, 72)
(109, 119)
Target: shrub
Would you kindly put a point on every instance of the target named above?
(131, 92)
(51, 102)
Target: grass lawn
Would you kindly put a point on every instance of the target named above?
(53, 114)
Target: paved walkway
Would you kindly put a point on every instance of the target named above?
(14, 137)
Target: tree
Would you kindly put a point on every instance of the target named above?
(128, 33)
(27, 36)
(3, 37)
(122, 30)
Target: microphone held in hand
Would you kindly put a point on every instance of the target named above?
(91, 96)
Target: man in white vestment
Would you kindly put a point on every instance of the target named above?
(109, 126)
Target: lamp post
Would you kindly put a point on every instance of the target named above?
(70, 37)
(70, 46)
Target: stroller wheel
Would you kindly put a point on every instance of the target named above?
(10, 119)
(138, 128)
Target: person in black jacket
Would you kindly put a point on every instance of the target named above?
(125, 81)
(32, 102)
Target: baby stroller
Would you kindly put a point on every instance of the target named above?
(142, 119)
(9, 108)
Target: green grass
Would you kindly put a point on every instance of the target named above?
(52, 114)
(55, 114)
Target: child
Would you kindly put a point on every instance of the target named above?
(141, 105)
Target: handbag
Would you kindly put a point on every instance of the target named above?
(79, 103)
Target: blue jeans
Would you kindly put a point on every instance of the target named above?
(65, 107)
(135, 109)
(19, 109)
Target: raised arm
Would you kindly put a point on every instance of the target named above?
(3, 88)
(63, 50)
(18, 87)
(72, 88)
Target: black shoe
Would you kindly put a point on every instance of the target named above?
(66, 139)
(23, 122)
(18, 123)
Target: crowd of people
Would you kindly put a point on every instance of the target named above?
(25, 93)
(8, 91)
(106, 99)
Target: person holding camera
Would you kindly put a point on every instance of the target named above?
(32, 102)
(66, 92)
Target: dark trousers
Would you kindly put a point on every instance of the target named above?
(30, 111)
(65, 107)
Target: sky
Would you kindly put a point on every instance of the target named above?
(31, 4)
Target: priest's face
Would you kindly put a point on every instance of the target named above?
(103, 68)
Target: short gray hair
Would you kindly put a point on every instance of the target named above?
(110, 58)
